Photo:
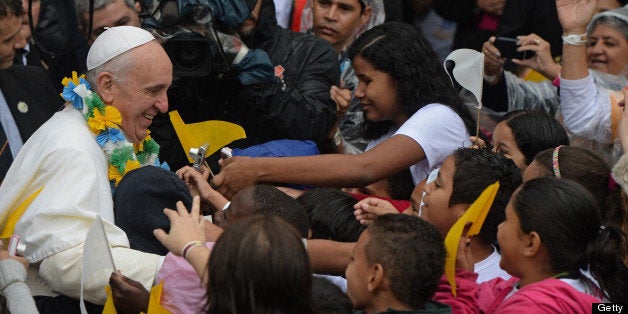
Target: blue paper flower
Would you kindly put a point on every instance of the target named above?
(69, 95)
(163, 165)
(109, 135)
(84, 81)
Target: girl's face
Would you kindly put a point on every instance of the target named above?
(377, 92)
(504, 143)
(511, 240)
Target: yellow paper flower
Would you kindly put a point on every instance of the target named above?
(131, 165)
(99, 122)
(74, 79)
(116, 176)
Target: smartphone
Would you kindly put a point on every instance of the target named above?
(508, 48)
(14, 241)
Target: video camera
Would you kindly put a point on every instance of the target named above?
(190, 35)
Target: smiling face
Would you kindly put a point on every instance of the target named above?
(505, 144)
(117, 13)
(141, 93)
(377, 92)
(436, 209)
(337, 20)
(11, 39)
(607, 50)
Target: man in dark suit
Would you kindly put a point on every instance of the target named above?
(27, 98)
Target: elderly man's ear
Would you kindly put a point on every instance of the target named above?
(105, 87)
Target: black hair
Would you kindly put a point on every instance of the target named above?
(476, 169)
(329, 298)
(269, 201)
(534, 131)
(10, 8)
(331, 215)
(566, 217)
(399, 50)
(592, 172)
(400, 185)
(259, 265)
(412, 253)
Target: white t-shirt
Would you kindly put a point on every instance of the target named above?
(439, 131)
(488, 268)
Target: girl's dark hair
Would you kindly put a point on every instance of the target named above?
(259, 265)
(592, 172)
(566, 217)
(475, 170)
(534, 131)
(399, 50)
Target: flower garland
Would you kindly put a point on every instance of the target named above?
(104, 121)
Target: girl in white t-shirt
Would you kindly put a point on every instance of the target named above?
(402, 86)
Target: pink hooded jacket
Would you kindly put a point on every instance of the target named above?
(546, 296)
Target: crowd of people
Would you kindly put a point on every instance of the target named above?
(361, 155)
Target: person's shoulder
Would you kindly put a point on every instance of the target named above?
(550, 294)
(309, 40)
(25, 72)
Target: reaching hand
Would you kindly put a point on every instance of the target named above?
(542, 60)
(369, 208)
(493, 61)
(196, 182)
(184, 227)
(575, 15)
(5, 254)
(129, 296)
(477, 142)
(236, 174)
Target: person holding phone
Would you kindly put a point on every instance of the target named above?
(15, 296)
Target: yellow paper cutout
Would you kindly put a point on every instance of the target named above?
(217, 133)
(476, 214)
(14, 216)
(154, 303)
(109, 308)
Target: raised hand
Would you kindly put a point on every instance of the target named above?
(369, 208)
(575, 15)
(542, 60)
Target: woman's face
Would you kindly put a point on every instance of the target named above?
(607, 50)
(504, 143)
(377, 92)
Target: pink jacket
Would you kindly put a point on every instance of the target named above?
(546, 296)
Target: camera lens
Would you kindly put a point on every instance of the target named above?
(189, 56)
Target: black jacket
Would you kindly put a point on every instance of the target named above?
(297, 106)
(30, 85)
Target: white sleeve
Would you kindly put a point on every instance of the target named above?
(439, 131)
(586, 109)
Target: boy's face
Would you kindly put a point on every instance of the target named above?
(357, 274)
(436, 209)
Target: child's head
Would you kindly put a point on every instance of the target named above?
(398, 257)
(399, 56)
(255, 260)
(521, 134)
(553, 226)
(264, 200)
(329, 298)
(586, 168)
(331, 215)
(463, 176)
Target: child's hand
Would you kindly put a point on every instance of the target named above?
(5, 254)
(477, 142)
(342, 98)
(184, 227)
(129, 296)
(197, 182)
(369, 208)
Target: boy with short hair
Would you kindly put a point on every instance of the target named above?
(396, 266)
